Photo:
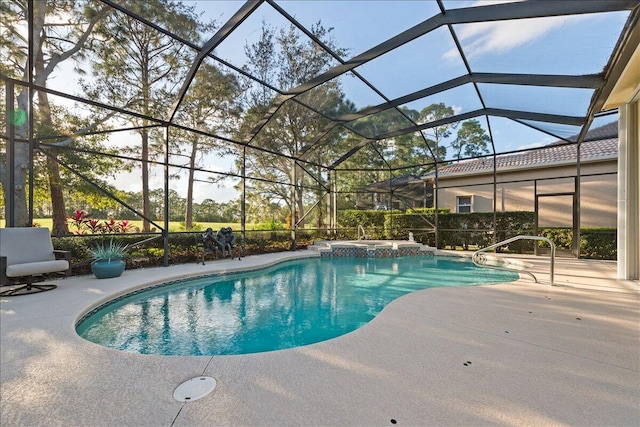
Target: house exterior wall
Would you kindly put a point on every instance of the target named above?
(515, 191)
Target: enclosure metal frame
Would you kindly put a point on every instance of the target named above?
(603, 83)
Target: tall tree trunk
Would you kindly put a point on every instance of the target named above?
(145, 179)
(21, 155)
(146, 209)
(300, 207)
(296, 196)
(321, 206)
(21, 150)
(188, 215)
(60, 226)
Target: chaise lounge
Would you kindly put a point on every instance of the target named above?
(27, 255)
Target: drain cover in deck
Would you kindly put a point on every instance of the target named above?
(194, 389)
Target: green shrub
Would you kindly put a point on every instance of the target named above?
(270, 225)
(76, 245)
(595, 242)
(417, 221)
(599, 243)
(561, 237)
(476, 228)
(372, 221)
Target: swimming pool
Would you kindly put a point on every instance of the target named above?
(288, 305)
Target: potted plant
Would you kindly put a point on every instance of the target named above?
(108, 259)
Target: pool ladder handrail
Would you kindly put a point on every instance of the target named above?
(476, 255)
(364, 235)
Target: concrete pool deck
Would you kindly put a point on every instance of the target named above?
(511, 354)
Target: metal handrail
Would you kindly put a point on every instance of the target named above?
(513, 239)
(364, 233)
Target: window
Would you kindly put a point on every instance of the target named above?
(464, 204)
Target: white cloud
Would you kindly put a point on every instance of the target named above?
(537, 144)
(483, 38)
(532, 145)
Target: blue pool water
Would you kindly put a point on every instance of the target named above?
(288, 305)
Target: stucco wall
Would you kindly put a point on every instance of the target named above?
(598, 194)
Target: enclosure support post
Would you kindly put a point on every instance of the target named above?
(576, 207)
(335, 204)
(435, 204)
(329, 207)
(31, 155)
(30, 111)
(294, 202)
(165, 231)
(11, 156)
(576, 213)
(535, 215)
(243, 201)
(495, 194)
(629, 190)
(390, 236)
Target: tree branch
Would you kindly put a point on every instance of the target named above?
(89, 127)
(57, 58)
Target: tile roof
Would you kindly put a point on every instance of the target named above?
(593, 148)
(398, 181)
(603, 132)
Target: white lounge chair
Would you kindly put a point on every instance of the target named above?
(26, 255)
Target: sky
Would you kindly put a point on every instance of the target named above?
(581, 45)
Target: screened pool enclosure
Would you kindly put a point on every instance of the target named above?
(302, 120)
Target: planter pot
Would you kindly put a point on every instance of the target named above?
(108, 269)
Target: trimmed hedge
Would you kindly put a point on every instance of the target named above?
(480, 229)
(373, 221)
(417, 221)
(456, 231)
(595, 242)
(462, 230)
